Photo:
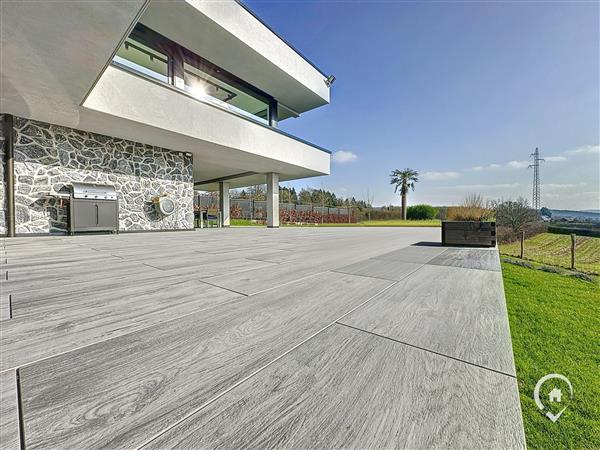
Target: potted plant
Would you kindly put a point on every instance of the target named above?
(470, 224)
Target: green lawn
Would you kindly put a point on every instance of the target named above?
(372, 223)
(389, 223)
(555, 250)
(245, 223)
(555, 328)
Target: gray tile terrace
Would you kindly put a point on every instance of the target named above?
(256, 338)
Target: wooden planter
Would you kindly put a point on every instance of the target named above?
(471, 233)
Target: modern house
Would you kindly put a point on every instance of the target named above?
(154, 98)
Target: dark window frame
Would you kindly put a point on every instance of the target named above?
(178, 55)
(157, 43)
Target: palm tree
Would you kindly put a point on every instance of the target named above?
(405, 180)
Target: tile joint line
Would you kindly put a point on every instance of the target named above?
(20, 411)
(160, 323)
(45, 358)
(425, 349)
(220, 287)
(260, 369)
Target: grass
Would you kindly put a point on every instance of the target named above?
(555, 249)
(555, 328)
(372, 223)
(245, 223)
(389, 223)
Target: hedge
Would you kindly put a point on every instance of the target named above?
(421, 212)
(593, 232)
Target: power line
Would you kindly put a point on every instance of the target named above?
(535, 201)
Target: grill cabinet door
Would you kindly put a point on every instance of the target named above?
(85, 214)
(107, 214)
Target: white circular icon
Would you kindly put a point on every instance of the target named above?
(555, 395)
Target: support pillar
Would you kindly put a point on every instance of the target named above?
(273, 200)
(224, 203)
(9, 175)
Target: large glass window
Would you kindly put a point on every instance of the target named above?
(207, 87)
(144, 59)
(148, 52)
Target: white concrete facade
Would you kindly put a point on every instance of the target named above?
(222, 143)
(57, 68)
(229, 36)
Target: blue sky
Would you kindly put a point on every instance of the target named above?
(463, 92)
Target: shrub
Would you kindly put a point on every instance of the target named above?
(582, 276)
(472, 208)
(550, 269)
(518, 262)
(506, 235)
(577, 231)
(383, 213)
(421, 212)
(442, 212)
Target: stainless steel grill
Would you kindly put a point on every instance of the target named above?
(94, 191)
(94, 207)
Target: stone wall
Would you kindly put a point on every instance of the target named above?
(49, 157)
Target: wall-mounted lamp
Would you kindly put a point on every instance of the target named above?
(329, 80)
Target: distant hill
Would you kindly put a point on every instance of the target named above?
(592, 210)
(589, 215)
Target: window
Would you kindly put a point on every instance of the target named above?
(144, 59)
(149, 53)
(206, 87)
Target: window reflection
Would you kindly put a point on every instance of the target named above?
(144, 59)
(206, 87)
(154, 55)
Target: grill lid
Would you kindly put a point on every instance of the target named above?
(94, 191)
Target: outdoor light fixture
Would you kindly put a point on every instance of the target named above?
(329, 81)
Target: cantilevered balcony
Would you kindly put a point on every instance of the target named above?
(223, 142)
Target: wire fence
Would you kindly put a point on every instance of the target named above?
(288, 212)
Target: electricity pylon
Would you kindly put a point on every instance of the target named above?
(535, 203)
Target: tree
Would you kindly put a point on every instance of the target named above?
(404, 180)
(368, 200)
(305, 197)
(257, 192)
(514, 213)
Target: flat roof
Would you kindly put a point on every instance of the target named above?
(285, 41)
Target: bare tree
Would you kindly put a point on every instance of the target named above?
(514, 213)
(369, 199)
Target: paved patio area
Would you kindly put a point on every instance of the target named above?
(255, 338)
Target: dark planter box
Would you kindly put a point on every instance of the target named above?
(471, 233)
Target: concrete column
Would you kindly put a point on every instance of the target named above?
(224, 203)
(9, 175)
(273, 200)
